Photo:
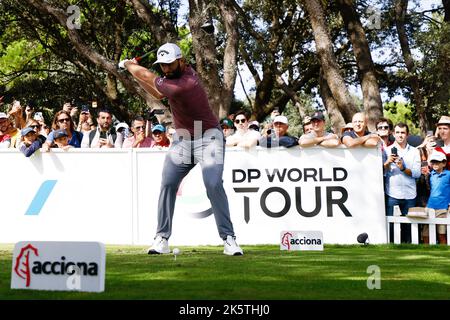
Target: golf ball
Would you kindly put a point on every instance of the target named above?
(176, 251)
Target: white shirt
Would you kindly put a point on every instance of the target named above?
(399, 185)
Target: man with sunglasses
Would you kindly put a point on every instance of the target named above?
(384, 128)
(138, 139)
(198, 139)
(243, 137)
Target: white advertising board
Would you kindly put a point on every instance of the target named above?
(111, 196)
(59, 266)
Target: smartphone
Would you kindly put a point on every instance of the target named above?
(430, 133)
(103, 135)
(394, 151)
(94, 104)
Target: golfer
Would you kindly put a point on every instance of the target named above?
(198, 139)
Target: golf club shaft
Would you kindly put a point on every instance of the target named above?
(143, 56)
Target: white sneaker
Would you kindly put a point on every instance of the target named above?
(159, 246)
(231, 248)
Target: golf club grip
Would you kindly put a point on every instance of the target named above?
(142, 57)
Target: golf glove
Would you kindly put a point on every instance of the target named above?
(122, 63)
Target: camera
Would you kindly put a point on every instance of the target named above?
(394, 151)
(151, 115)
(103, 135)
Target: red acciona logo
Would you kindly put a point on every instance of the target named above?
(22, 266)
(285, 240)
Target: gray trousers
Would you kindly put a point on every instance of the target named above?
(183, 155)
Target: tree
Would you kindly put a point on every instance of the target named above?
(371, 92)
(330, 67)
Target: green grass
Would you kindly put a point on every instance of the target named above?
(264, 272)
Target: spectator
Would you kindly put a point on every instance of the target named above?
(29, 143)
(44, 128)
(423, 183)
(61, 139)
(123, 132)
(440, 194)
(138, 139)
(29, 111)
(227, 127)
(254, 125)
(443, 129)
(318, 135)
(360, 136)
(306, 125)
(243, 137)
(348, 127)
(384, 128)
(16, 114)
(104, 136)
(402, 168)
(279, 137)
(5, 139)
(9, 134)
(85, 116)
(36, 126)
(62, 120)
(159, 137)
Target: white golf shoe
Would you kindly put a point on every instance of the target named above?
(231, 248)
(160, 245)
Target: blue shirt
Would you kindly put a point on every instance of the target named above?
(75, 141)
(440, 190)
(399, 185)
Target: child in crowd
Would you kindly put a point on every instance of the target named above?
(440, 193)
(61, 139)
(29, 142)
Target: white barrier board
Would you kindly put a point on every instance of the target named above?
(112, 196)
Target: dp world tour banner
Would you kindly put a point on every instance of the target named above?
(111, 197)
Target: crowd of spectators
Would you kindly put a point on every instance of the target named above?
(414, 176)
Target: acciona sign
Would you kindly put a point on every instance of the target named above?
(59, 266)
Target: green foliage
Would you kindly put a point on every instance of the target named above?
(401, 112)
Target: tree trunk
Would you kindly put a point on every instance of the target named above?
(400, 13)
(220, 93)
(371, 92)
(336, 118)
(328, 61)
(446, 4)
(229, 17)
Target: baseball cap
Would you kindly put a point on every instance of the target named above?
(159, 127)
(254, 123)
(281, 119)
(349, 125)
(437, 156)
(318, 116)
(226, 122)
(26, 131)
(122, 125)
(168, 53)
(3, 115)
(59, 133)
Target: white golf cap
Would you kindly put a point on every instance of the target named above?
(437, 156)
(168, 53)
(281, 119)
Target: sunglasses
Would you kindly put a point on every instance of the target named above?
(64, 120)
(35, 126)
(139, 128)
(383, 127)
(240, 121)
